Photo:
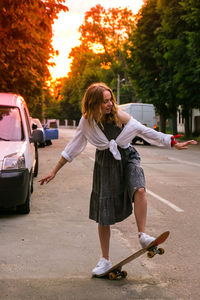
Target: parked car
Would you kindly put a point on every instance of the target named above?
(39, 127)
(18, 154)
(142, 112)
(51, 131)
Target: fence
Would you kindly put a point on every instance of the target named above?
(71, 124)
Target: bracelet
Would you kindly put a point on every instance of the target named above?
(173, 137)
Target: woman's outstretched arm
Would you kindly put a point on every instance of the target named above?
(53, 173)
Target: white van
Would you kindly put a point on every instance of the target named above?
(142, 112)
(18, 153)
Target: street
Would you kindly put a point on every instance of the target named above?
(49, 254)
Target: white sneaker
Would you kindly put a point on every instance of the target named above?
(103, 266)
(145, 239)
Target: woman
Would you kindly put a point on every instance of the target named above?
(118, 179)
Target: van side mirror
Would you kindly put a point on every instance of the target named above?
(37, 136)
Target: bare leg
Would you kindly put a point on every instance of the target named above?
(104, 238)
(140, 209)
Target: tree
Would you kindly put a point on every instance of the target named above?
(180, 37)
(147, 67)
(107, 29)
(169, 35)
(100, 56)
(85, 69)
(164, 57)
(189, 73)
(26, 33)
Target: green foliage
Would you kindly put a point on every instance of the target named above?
(147, 67)
(190, 87)
(164, 57)
(85, 70)
(181, 33)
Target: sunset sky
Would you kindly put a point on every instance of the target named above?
(65, 28)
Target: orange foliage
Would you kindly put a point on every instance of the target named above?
(106, 28)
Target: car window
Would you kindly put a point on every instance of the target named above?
(11, 128)
(52, 125)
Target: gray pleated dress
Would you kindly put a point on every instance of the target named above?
(114, 181)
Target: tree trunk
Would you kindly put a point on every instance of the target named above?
(187, 113)
(187, 124)
(162, 123)
(174, 122)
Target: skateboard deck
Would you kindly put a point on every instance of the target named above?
(116, 271)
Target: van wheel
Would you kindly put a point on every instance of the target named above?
(25, 208)
(134, 141)
(146, 143)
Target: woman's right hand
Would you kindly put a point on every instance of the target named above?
(53, 173)
(47, 178)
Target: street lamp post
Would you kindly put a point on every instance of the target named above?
(118, 89)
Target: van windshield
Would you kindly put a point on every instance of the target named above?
(10, 124)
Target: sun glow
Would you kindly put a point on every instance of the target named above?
(66, 34)
(98, 48)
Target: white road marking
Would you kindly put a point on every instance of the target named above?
(184, 161)
(173, 206)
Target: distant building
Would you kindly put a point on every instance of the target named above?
(194, 121)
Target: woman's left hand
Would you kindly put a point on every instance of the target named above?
(184, 145)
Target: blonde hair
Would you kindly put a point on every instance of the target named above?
(92, 101)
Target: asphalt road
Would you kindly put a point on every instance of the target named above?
(49, 254)
(173, 192)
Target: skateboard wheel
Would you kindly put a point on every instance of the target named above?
(150, 254)
(124, 274)
(112, 276)
(161, 251)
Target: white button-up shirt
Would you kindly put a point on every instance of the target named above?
(94, 135)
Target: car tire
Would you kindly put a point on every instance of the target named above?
(41, 145)
(134, 141)
(25, 208)
(146, 143)
(48, 143)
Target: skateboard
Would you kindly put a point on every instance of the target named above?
(116, 271)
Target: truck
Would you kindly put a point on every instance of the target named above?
(142, 112)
